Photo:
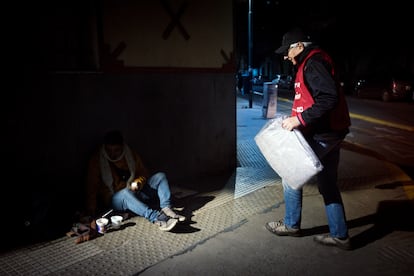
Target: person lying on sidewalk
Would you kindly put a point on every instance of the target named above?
(118, 179)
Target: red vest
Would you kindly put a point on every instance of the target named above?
(339, 117)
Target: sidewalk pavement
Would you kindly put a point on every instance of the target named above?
(377, 208)
(225, 233)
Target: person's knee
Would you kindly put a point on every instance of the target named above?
(121, 193)
(159, 175)
(158, 178)
(120, 196)
(332, 197)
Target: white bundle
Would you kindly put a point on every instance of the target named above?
(288, 153)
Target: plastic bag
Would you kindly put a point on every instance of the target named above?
(288, 153)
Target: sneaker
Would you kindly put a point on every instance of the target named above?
(164, 222)
(169, 212)
(279, 228)
(331, 241)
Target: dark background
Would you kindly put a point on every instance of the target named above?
(46, 36)
(362, 36)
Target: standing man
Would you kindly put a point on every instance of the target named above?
(320, 111)
(117, 178)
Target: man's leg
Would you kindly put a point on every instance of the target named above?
(328, 188)
(126, 199)
(159, 183)
(290, 226)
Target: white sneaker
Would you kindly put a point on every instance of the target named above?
(165, 223)
(169, 212)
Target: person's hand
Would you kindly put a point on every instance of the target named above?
(134, 186)
(138, 183)
(290, 123)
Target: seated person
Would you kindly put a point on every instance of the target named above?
(118, 179)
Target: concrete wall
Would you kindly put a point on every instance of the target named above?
(182, 123)
(170, 33)
(172, 97)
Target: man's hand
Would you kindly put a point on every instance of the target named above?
(134, 186)
(138, 183)
(290, 123)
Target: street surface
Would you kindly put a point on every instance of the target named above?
(225, 233)
(378, 212)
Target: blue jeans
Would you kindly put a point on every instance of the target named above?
(328, 153)
(156, 190)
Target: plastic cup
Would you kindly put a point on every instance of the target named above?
(116, 221)
(101, 225)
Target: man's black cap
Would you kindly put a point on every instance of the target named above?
(292, 36)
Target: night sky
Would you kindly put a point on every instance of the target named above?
(352, 31)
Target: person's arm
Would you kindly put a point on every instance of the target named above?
(323, 87)
(141, 173)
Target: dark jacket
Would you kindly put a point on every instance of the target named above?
(319, 103)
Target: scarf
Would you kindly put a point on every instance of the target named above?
(106, 169)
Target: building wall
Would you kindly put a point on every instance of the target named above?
(92, 66)
(182, 123)
(201, 34)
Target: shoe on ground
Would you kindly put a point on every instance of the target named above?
(279, 228)
(169, 212)
(332, 241)
(165, 223)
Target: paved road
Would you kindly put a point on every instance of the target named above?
(378, 216)
(225, 234)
